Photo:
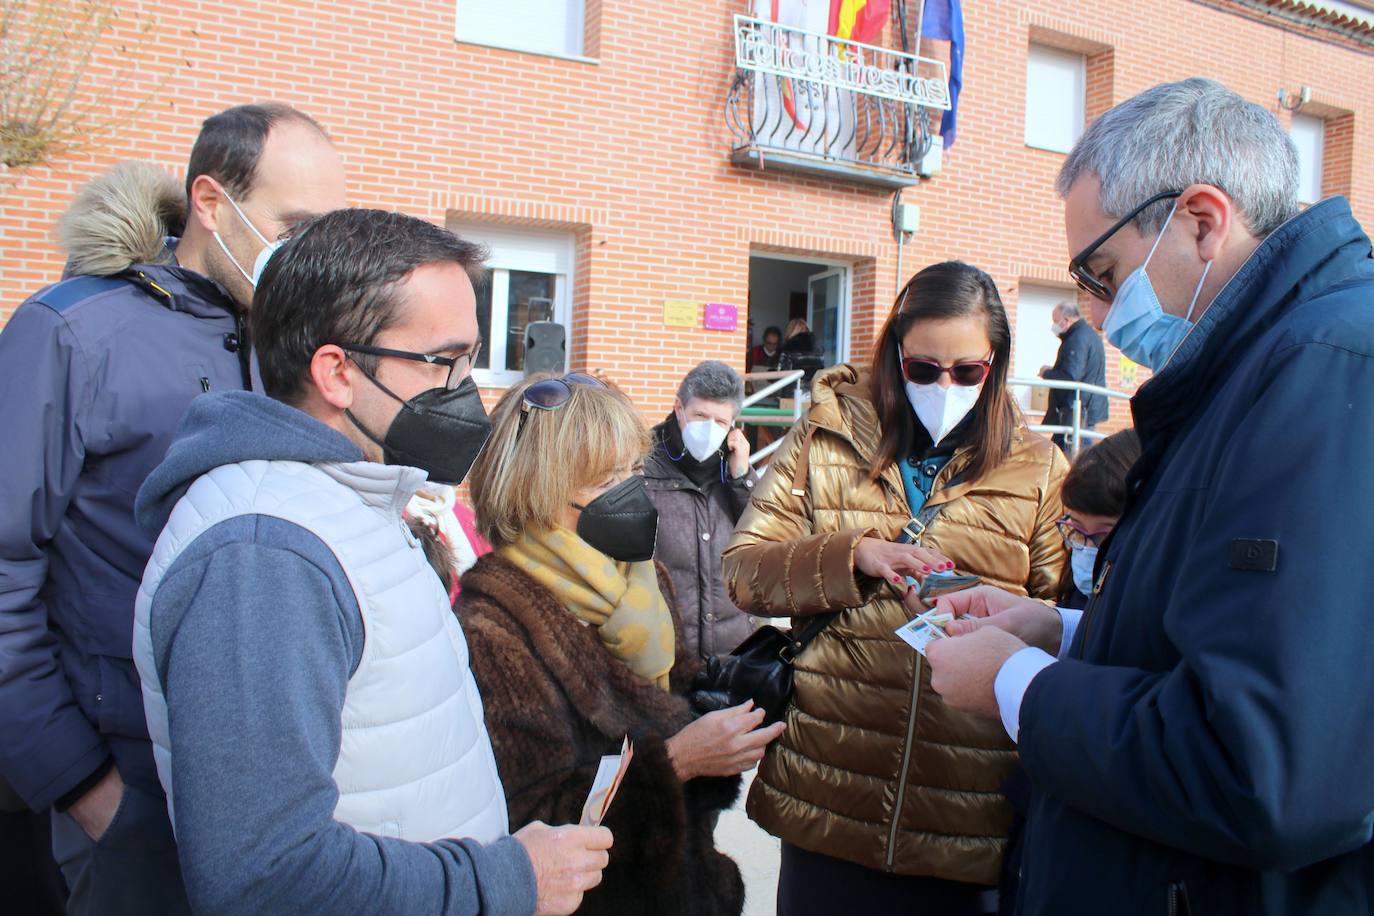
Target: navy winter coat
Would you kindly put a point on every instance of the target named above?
(1081, 358)
(1209, 746)
(95, 375)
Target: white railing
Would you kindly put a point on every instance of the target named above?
(777, 381)
(1075, 432)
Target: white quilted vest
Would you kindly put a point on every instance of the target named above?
(416, 761)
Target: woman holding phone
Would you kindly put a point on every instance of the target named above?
(885, 800)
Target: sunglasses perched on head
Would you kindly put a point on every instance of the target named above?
(552, 393)
(966, 372)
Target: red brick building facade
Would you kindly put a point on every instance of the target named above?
(609, 169)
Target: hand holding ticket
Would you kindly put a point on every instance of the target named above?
(608, 776)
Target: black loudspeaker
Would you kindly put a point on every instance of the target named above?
(546, 347)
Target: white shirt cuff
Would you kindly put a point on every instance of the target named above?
(1013, 679)
(1069, 620)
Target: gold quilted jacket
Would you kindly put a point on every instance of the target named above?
(873, 767)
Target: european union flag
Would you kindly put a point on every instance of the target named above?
(944, 21)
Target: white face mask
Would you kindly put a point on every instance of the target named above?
(263, 257)
(1081, 561)
(703, 438)
(940, 409)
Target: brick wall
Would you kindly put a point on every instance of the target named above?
(630, 153)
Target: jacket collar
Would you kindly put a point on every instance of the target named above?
(382, 486)
(603, 690)
(842, 403)
(1314, 249)
(186, 290)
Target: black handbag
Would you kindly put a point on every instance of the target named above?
(761, 667)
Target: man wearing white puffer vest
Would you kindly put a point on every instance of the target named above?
(315, 723)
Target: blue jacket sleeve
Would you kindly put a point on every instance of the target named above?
(255, 643)
(1255, 748)
(49, 746)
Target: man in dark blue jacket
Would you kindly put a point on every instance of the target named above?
(1203, 742)
(95, 374)
(1080, 359)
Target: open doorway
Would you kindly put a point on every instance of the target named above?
(783, 290)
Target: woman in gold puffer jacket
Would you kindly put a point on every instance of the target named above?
(887, 801)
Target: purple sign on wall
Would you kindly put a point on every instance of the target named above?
(720, 317)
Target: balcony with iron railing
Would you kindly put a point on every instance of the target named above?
(810, 102)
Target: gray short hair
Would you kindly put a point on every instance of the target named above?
(1195, 131)
(712, 380)
(1069, 309)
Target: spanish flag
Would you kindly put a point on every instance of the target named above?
(858, 20)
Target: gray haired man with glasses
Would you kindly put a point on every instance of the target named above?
(1199, 738)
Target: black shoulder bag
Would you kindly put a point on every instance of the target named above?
(761, 667)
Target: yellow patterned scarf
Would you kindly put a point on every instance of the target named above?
(622, 600)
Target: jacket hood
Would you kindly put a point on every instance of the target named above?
(226, 428)
(126, 223)
(122, 218)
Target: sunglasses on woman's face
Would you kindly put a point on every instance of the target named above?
(966, 372)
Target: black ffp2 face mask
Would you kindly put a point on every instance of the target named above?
(622, 523)
(440, 431)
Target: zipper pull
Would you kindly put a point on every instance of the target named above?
(1102, 579)
(204, 384)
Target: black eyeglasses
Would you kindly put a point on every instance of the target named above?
(1088, 281)
(551, 394)
(459, 367)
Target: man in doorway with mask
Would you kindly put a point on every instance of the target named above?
(1199, 738)
(95, 374)
(318, 730)
(699, 477)
(1080, 359)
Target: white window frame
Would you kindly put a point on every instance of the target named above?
(544, 251)
(1309, 136)
(520, 40)
(1039, 57)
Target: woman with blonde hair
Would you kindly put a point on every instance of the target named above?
(576, 645)
(886, 800)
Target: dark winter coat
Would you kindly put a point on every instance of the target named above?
(1206, 747)
(556, 701)
(1081, 358)
(95, 374)
(694, 525)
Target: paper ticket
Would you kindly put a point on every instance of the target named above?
(924, 630)
(609, 774)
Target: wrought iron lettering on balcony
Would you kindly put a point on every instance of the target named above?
(766, 47)
(807, 101)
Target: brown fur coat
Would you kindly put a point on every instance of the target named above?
(555, 702)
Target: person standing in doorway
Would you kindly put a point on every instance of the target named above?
(1081, 359)
(763, 357)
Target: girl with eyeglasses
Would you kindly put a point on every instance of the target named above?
(885, 800)
(576, 643)
(1094, 497)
